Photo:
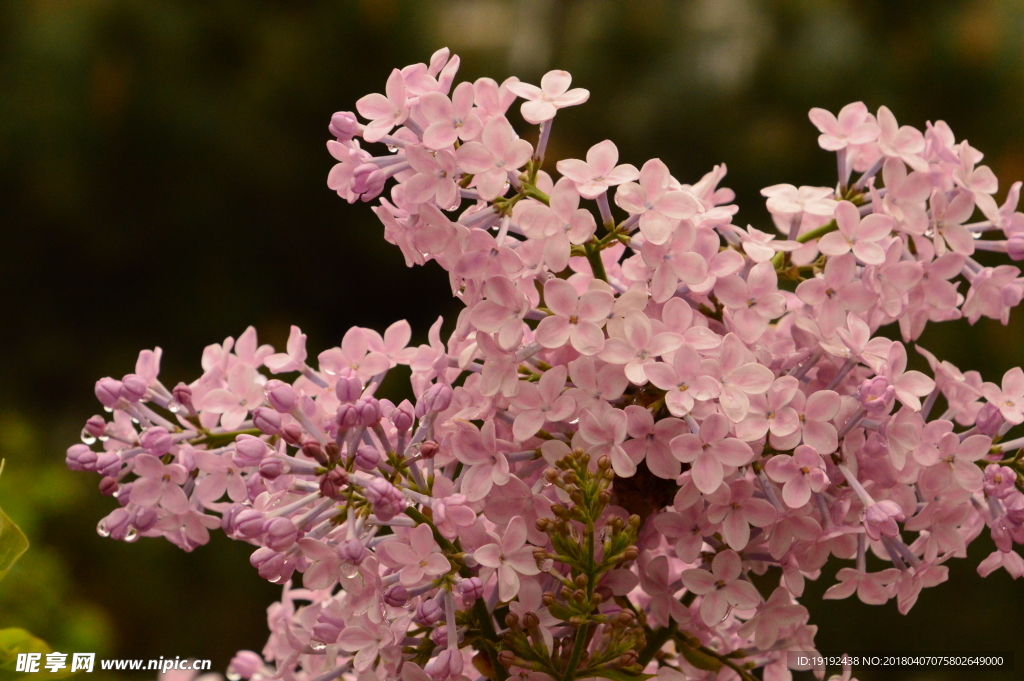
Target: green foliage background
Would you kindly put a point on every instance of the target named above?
(162, 182)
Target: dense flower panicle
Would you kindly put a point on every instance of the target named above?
(634, 413)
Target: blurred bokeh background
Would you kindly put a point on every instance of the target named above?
(162, 182)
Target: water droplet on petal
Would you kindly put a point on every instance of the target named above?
(101, 528)
(317, 645)
(87, 437)
(131, 535)
(233, 676)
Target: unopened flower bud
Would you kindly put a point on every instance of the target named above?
(313, 450)
(386, 499)
(116, 525)
(628, 658)
(429, 613)
(144, 518)
(156, 441)
(1015, 247)
(281, 396)
(875, 394)
(437, 397)
(328, 627)
(989, 420)
(530, 620)
(292, 434)
(403, 416)
(249, 450)
(108, 485)
(347, 416)
(96, 426)
(80, 458)
(248, 524)
(271, 468)
(267, 420)
(367, 457)
(440, 637)
(272, 565)
(429, 449)
(279, 534)
(182, 395)
(880, 519)
(369, 411)
(344, 125)
(352, 551)
(332, 483)
(349, 387)
(506, 658)
(447, 665)
(108, 463)
(244, 665)
(396, 596)
(108, 391)
(471, 588)
(133, 387)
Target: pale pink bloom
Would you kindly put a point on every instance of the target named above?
(605, 427)
(761, 246)
(688, 528)
(595, 383)
(881, 519)
(911, 582)
(491, 99)
(980, 181)
(777, 615)
(651, 441)
(553, 94)
(721, 588)
(244, 393)
(905, 143)
(366, 642)
(420, 559)
(449, 119)
(909, 385)
(560, 225)
(501, 312)
(354, 354)
(384, 113)
(510, 556)
(1005, 217)
(394, 344)
(674, 261)
(839, 291)
(814, 414)
(294, 359)
(598, 172)
(785, 199)
(801, 474)
(638, 347)
(736, 508)
(948, 216)
(906, 195)
(499, 151)
(452, 513)
(754, 302)
(657, 582)
(862, 236)
(484, 454)
(872, 588)
(854, 125)
(957, 463)
(685, 379)
(434, 179)
(771, 412)
(1008, 560)
(739, 378)
(159, 484)
(483, 257)
(541, 402)
(1009, 400)
(656, 202)
(221, 475)
(576, 319)
(709, 451)
(993, 292)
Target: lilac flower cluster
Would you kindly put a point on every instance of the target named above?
(645, 414)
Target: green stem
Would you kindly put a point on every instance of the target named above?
(534, 193)
(596, 264)
(804, 238)
(217, 439)
(577, 653)
(655, 642)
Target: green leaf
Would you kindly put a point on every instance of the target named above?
(701, 660)
(13, 543)
(14, 641)
(619, 675)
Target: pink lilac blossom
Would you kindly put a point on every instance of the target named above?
(640, 406)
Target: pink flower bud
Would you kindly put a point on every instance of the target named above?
(369, 411)
(999, 480)
(403, 416)
(386, 499)
(279, 534)
(108, 463)
(440, 637)
(244, 664)
(248, 524)
(133, 387)
(144, 518)
(429, 613)
(471, 589)
(96, 426)
(332, 483)
(438, 397)
(271, 468)
(876, 394)
(156, 441)
(124, 494)
(349, 387)
(447, 665)
(348, 416)
(182, 395)
(429, 449)
(108, 485)
(367, 457)
(249, 450)
(116, 525)
(344, 125)
(80, 458)
(271, 565)
(108, 391)
(313, 450)
(1015, 247)
(282, 397)
(328, 627)
(267, 420)
(881, 518)
(352, 551)
(292, 434)
(989, 420)
(396, 596)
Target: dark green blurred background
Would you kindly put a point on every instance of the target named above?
(162, 182)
